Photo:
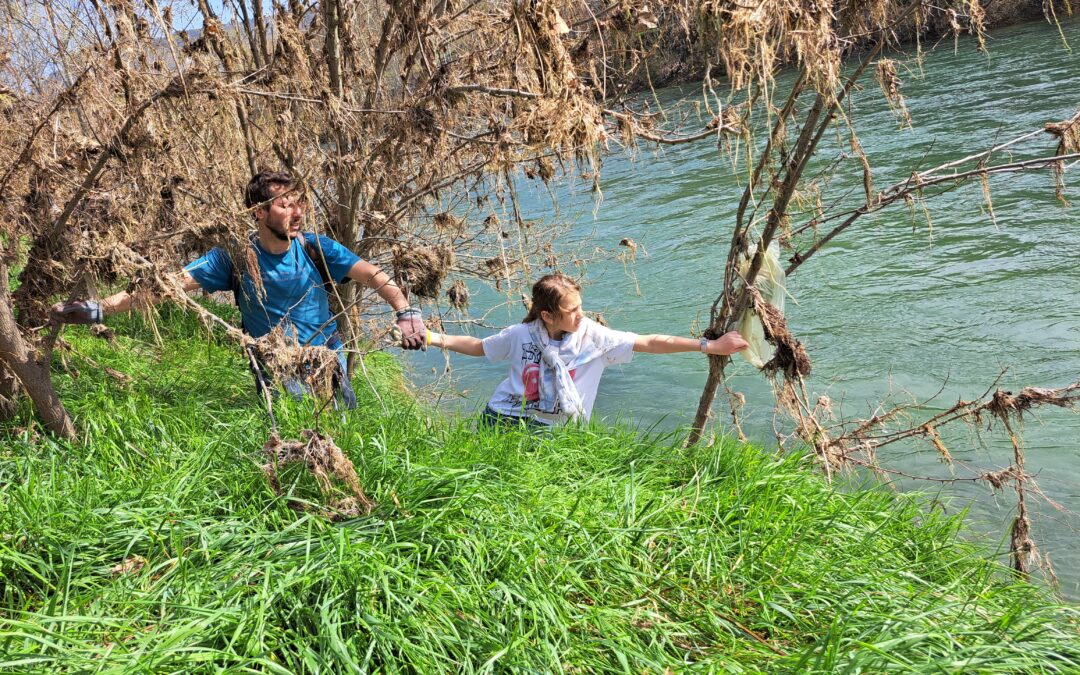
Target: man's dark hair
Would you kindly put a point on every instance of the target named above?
(258, 188)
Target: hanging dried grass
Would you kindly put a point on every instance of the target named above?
(450, 224)
(458, 295)
(984, 182)
(498, 269)
(1068, 135)
(790, 358)
(1005, 405)
(977, 22)
(890, 82)
(1022, 549)
(935, 438)
(868, 174)
(999, 480)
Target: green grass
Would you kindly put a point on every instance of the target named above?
(589, 550)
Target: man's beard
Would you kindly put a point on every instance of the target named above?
(282, 234)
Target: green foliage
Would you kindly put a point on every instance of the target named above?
(157, 546)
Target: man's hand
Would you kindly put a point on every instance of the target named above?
(727, 344)
(77, 311)
(413, 331)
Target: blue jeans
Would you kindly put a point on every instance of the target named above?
(496, 421)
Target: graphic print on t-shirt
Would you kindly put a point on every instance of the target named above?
(530, 376)
(530, 379)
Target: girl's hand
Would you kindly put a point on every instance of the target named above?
(727, 344)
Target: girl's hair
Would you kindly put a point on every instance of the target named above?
(548, 293)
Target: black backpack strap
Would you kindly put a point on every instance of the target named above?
(315, 253)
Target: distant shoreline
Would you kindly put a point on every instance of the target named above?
(682, 62)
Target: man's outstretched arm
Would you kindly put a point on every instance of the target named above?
(377, 280)
(93, 311)
(409, 319)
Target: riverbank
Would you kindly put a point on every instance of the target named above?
(158, 545)
(672, 56)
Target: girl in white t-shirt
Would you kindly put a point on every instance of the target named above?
(557, 355)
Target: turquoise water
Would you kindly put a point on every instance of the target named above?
(889, 308)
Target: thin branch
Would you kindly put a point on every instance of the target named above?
(916, 183)
(493, 91)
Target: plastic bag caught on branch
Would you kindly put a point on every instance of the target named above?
(770, 284)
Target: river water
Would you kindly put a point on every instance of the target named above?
(890, 308)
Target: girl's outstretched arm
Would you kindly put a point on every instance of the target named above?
(462, 344)
(726, 344)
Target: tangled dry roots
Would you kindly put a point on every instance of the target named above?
(324, 460)
(286, 359)
(790, 357)
(422, 270)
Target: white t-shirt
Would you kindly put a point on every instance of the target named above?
(518, 395)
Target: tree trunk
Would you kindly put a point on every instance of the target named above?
(9, 393)
(35, 378)
(708, 395)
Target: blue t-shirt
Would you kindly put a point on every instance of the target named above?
(294, 289)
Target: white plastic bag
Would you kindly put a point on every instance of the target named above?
(770, 284)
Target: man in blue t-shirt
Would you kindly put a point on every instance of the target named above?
(293, 292)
